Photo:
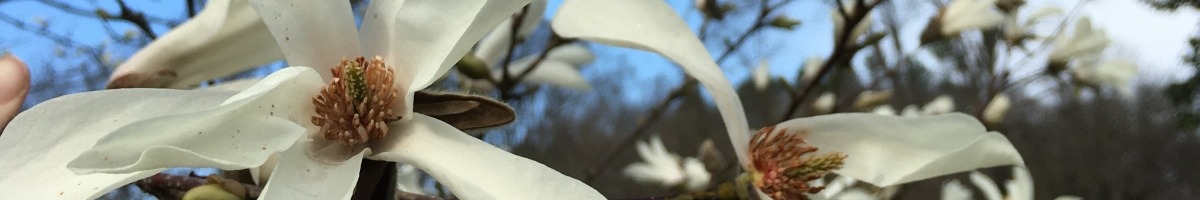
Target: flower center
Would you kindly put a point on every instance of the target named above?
(356, 107)
(781, 169)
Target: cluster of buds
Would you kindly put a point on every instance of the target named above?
(782, 166)
(357, 105)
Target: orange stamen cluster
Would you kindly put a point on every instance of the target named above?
(356, 107)
(784, 169)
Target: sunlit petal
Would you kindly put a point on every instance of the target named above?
(225, 38)
(889, 150)
(42, 140)
(299, 176)
(471, 168)
(239, 134)
(312, 33)
(654, 26)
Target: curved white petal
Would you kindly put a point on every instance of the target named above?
(762, 75)
(1021, 186)
(493, 47)
(240, 133)
(313, 33)
(471, 168)
(654, 26)
(889, 150)
(552, 72)
(1116, 73)
(954, 190)
(225, 38)
(996, 110)
(940, 105)
(532, 19)
(14, 85)
(429, 36)
(576, 54)
(40, 142)
(964, 15)
(299, 176)
(986, 185)
(376, 33)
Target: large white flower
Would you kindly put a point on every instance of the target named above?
(963, 15)
(882, 150)
(1115, 73)
(1087, 42)
(14, 85)
(142, 131)
(662, 167)
(224, 38)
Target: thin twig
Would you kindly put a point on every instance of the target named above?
(842, 53)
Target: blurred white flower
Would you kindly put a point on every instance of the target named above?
(762, 76)
(661, 167)
(954, 190)
(1114, 73)
(560, 67)
(1016, 33)
(1086, 42)
(884, 110)
(940, 105)
(911, 111)
(824, 104)
(1019, 188)
(838, 22)
(995, 111)
(964, 15)
(811, 67)
(14, 86)
(871, 98)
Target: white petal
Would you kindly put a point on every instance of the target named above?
(855, 194)
(493, 47)
(551, 72)
(812, 66)
(888, 150)
(964, 15)
(985, 184)
(884, 110)
(1021, 186)
(940, 105)
(471, 168)
(1086, 41)
(234, 85)
(697, 176)
(654, 26)
(576, 54)
(299, 176)
(910, 111)
(312, 33)
(836, 186)
(762, 75)
(14, 85)
(241, 133)
(42, 140)
(429, 36)
(376, 31)
(996, 110)
(1116, 73)
(658, 165)
(825, 103)
(531, 20)
(954, 190)
(225, 38)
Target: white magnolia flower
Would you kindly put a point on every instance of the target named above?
(871, 98)
(762, 76)
(824, 104)
(138, 132)
(1115, 73)
(884, 110)
(1018, 188)
(225, 38)
(839, 23)
(964, 15)
(1086, 42)
(915, 148)
(811, 67)
(14, 85)
(940, 105)
(1016, 32)
(661, 167)
(996, 110)
(954, 190)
